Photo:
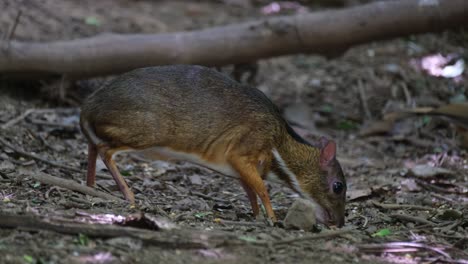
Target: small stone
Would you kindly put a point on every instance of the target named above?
(195, 179)
(301, 215)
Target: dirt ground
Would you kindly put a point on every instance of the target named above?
(418, 165)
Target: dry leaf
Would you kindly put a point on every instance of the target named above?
(377, 128)
(426, 171)
(356, 194)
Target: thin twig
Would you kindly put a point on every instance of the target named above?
(15, 24)
(366, 220)
(424, 227)
(72, 185)
(62, 89)
(362, 96)
(441, 197)
(452, 226)
(17, 119)
(410, 218)
(407, 93)
(4, 176)
(431, 187)
(53, 124)
(51, 189)
(402, 206)
(33, 110)
(43, 141)
(49, 162)
(400, 247)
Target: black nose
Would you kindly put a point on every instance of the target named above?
(340, 220)
(337, 221)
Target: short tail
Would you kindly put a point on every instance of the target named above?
(88, 131)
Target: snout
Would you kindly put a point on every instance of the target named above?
(329, 217)
(340, 220)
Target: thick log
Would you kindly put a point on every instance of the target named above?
(325, 33)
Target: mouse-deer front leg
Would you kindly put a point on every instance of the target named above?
(252, 199)
(251, 178)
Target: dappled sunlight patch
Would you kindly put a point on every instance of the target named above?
(101, 258)
(5, 197)
(138, 220)
(283, 6)
(214, 254)
(438, 65)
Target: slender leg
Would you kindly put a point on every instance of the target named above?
(252, 198)
(106, 156)
(250, 176)
(92, 156)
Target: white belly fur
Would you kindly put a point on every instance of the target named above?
(193, 158)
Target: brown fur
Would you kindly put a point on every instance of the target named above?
(196, 110)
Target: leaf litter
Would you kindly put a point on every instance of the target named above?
(405, 167)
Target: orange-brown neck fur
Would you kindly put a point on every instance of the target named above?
(300, 159)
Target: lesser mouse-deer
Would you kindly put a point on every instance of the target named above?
(199, 115)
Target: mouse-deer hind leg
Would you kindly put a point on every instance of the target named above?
(92, 157)
(106, 154)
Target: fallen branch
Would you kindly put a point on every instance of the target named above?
(174, 239)
(72, 185)
(362, 97)
(326, 32)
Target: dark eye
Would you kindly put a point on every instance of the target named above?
(338, 187)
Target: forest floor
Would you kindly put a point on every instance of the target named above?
(415, 167)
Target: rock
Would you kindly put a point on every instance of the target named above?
(301, 215)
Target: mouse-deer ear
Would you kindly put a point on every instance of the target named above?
(327, 153)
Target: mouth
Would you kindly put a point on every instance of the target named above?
(327, 218)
